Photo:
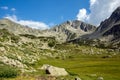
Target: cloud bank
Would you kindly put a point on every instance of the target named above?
(99, 11)
(29, 23)
(4, 7)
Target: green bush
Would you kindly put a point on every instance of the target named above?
(8, 72)
(5, 36)
(29, 36)
(15, 39)
(51, 43)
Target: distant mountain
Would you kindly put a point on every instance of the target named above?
(70, 30)
(64, 32)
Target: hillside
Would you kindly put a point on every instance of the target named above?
(17, 28)
(21, 56)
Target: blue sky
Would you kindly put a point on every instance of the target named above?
(36, 13)
(48, 11)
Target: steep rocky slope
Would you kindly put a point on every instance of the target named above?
(110, 28)
(107, 34)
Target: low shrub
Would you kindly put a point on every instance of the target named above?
(51, 44)
(8, 72)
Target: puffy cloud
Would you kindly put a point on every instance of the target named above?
(92, 2)
(34, 24)
(13, 9)
(29, 23)
(4, 7)
(82, 15)
(100, 10)
(12, 18)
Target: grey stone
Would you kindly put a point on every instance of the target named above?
(54, 71)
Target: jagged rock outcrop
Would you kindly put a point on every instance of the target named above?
(72, 29)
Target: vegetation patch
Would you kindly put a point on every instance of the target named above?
(8, 72)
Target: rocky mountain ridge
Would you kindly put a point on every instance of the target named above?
(64, 32)
(109, 27)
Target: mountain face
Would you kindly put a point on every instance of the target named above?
(72, 29)
(115, 26)
(107, 34)
(63, 32)
(110, 28)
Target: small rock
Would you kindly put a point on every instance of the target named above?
(93, 75)
(100, 78)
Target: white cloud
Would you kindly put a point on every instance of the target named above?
(100, 10)
(12, 18)
(13, 9)
(82, 15)
(92, 2)
(29, 23)
(34, 24)
(4, 7)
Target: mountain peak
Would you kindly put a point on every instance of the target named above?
(116, 14)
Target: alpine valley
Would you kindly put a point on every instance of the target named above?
(73, 50)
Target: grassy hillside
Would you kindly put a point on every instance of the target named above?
(22, 56)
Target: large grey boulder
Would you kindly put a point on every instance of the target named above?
(54, 71)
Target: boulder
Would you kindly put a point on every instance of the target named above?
(54, 71)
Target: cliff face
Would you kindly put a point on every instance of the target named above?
(109, 28)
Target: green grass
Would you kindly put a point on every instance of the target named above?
(83, 66)
(77, 60)
(8, 71)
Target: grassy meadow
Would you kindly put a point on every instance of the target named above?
(79, 61)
